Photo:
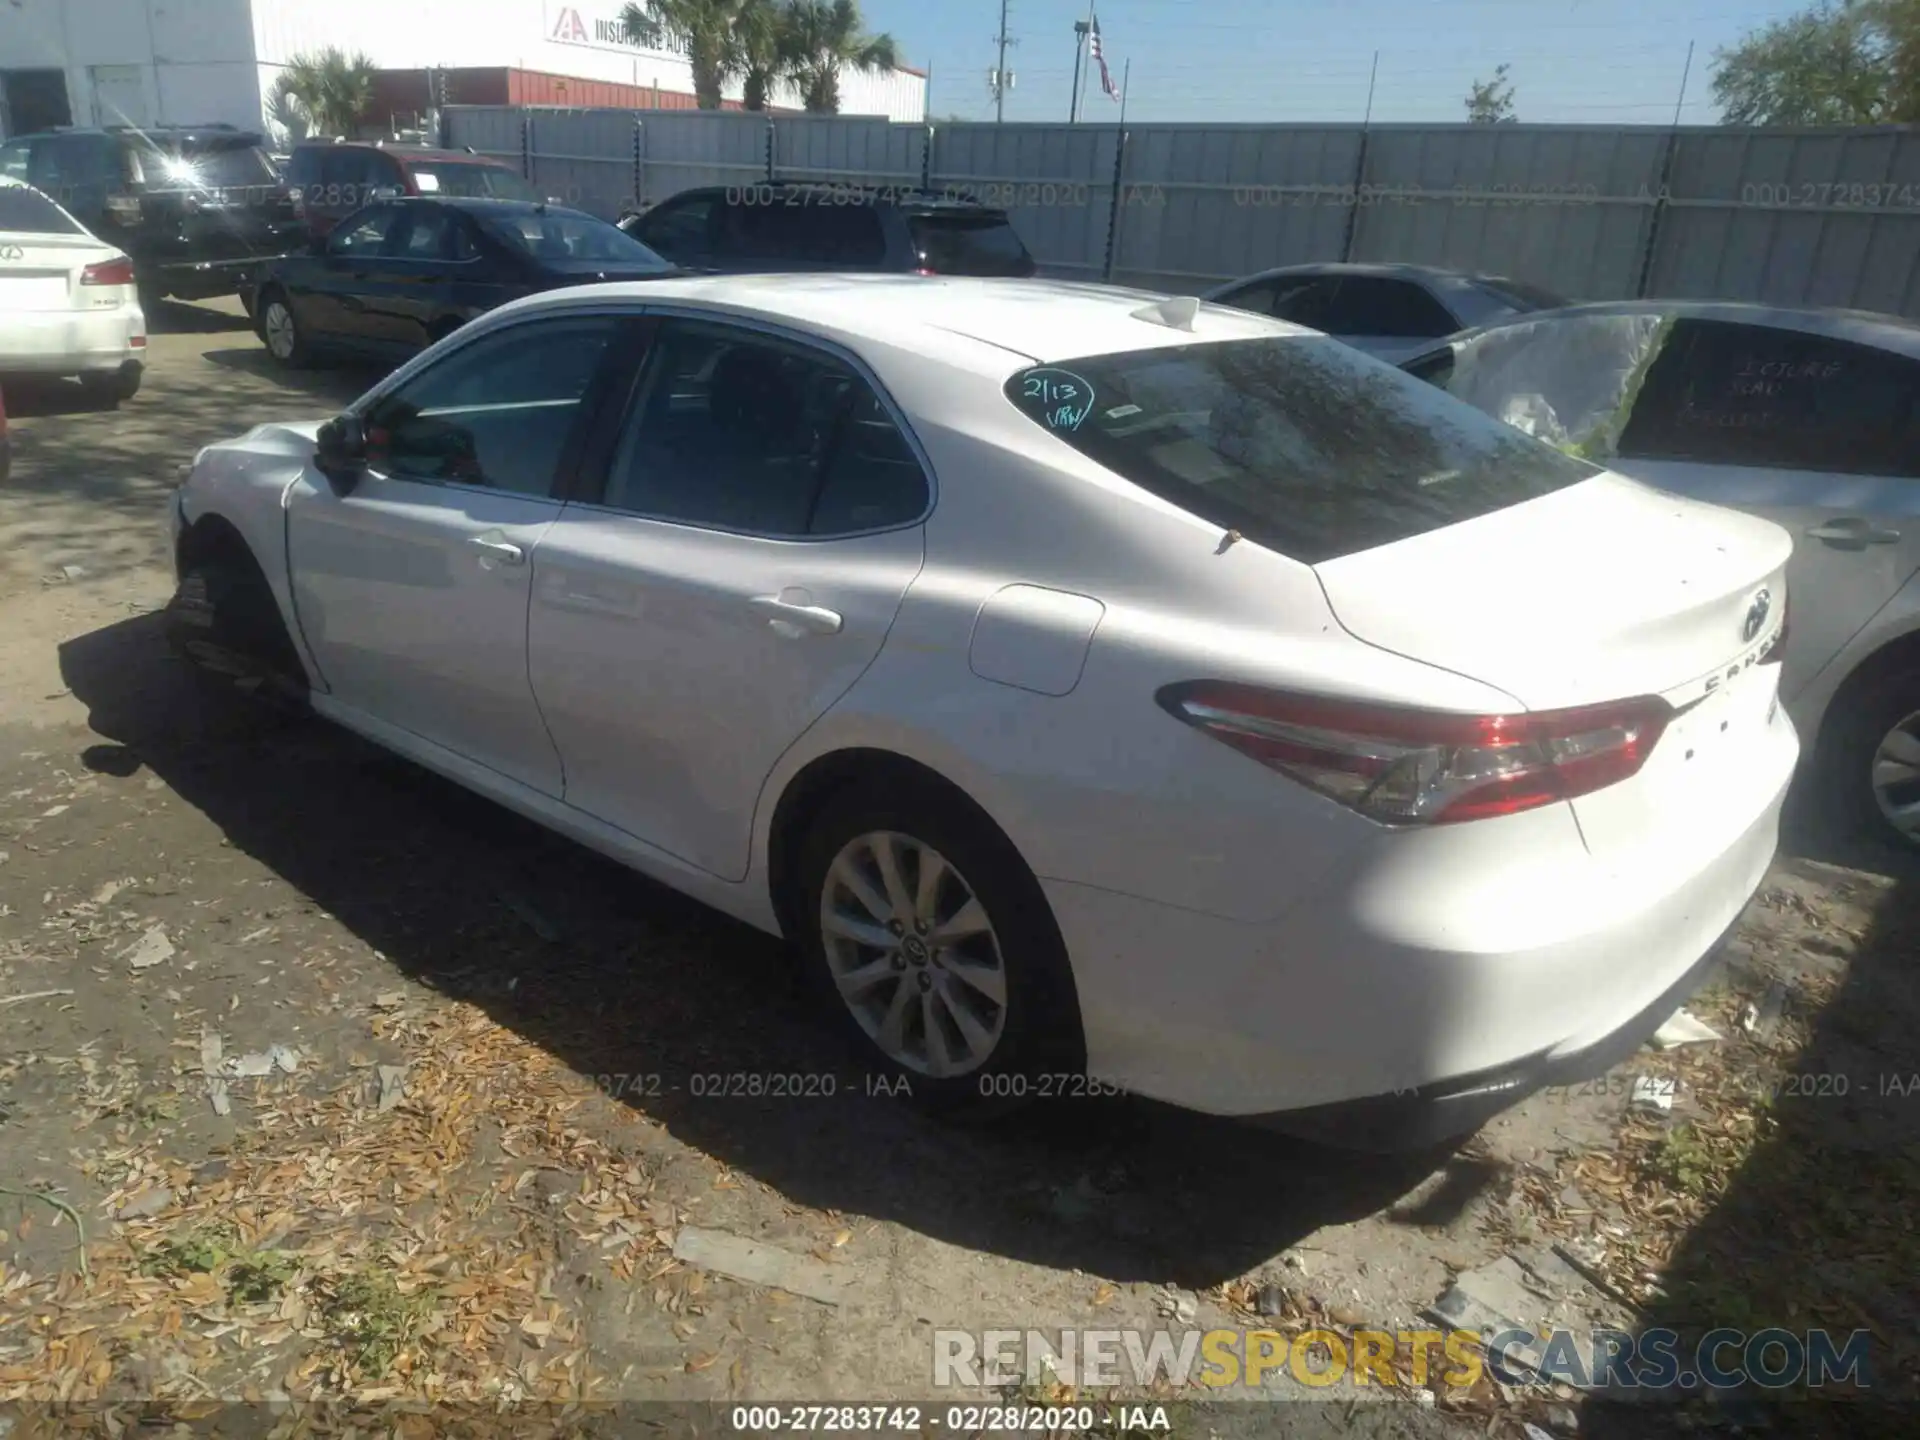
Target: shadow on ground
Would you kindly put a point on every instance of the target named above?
(1818, 1228)
(641, 982)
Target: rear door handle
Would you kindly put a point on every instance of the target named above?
(1853, 532)
(793, 620)
(505, 551)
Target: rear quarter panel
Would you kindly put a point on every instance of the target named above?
(1097, 784)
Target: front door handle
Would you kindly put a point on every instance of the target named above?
(1853, 532)
(505, 551)
(793, 619)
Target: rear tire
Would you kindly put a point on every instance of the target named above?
(280, 331)
(1868, 764)
(961, 990)
(111, 387)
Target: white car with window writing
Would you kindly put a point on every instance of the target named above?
(67, 300)
(1089, 683)
(1810, 418)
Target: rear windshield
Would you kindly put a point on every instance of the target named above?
(562, 237)
(1297, 442)
(28, 212)
(968, 245)
(208, 167)
(471, 182)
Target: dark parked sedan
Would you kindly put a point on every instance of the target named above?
(394, 277)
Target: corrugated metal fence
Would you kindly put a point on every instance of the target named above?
(1822, 217)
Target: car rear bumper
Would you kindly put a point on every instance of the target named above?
(1436, 981)
(69, 342)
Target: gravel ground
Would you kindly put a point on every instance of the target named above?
(490, 1118)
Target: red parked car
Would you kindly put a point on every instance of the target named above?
(334, 178)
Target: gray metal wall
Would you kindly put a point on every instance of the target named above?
(1819, 217)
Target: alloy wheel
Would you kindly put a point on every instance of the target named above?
(913, 954)
(277, 323)
(1896, 776)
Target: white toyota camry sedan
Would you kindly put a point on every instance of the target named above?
(67, 300)
(1100, 690)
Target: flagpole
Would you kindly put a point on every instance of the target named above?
(1080, 77)
(1126, 74)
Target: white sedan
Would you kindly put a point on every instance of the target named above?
(1101, 690)
(67, 300)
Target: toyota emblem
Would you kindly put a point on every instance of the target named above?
(1757, 612)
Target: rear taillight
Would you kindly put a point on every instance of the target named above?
(118, 271)
(1777, 651)
(1425, 767)
(124, 207)
(923, 270)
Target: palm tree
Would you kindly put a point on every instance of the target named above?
(760, 35)
(824, 36)
(332, 89)
(705, 28)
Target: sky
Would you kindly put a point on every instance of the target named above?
(1595, 61)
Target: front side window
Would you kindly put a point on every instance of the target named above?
(1569, 380)
(1731, 394)
(568, 237)
(496, 413)
(1297, 442)
(363, 234)
(734, 430)
(426, 232)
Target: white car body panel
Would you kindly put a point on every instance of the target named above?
(411, 614)
(51, 323)
(1843, 587)
(1239, 942)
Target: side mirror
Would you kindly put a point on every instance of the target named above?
(340, 452)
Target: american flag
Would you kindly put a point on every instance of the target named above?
(1099, 57)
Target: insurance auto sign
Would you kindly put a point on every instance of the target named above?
(599, 27)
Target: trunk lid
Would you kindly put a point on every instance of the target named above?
(1605, 590)
(45, 274)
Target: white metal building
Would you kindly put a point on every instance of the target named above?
(150, 62)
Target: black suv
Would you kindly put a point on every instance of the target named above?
(809, 225)
(197, 208)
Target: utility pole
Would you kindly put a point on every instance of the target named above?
(1002, 81)
(1686, 73)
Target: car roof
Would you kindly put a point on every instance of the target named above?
(1863, 327)
(220, 131)
(991, 326)
(480, 205)
(404, 152)
(906, 197)
(1431, 274)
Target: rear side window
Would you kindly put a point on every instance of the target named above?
(1753, 395)
(968, 245)
(1297, 442)
(1305, 300)
(27, 212)
(734, 430)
